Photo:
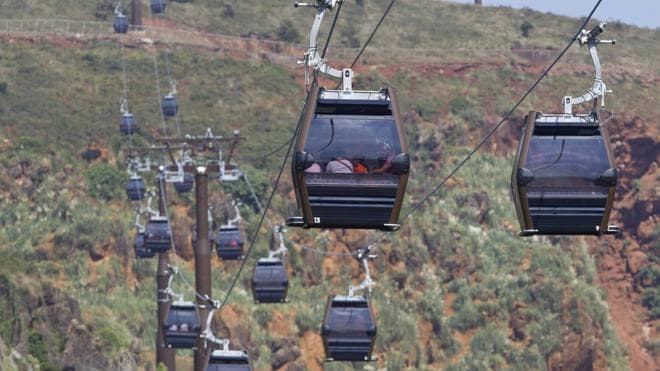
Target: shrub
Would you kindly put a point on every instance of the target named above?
(104, 181)
(526, 28)
(288, 32)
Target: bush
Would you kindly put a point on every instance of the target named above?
(104, 181)
(466, 109)
(526, 28)
(288, 32)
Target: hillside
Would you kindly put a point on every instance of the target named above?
(456, 288)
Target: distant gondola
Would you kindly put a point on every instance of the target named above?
(170, 105)
(127, 124)
(349, 329)
(120, 24)
(158, 6)
(158, 235)
(229, 360)
(351, 165)
(270, 282)
(186, 185)
(182, 327)
(229, 243)
(141, 252)
(135, 188)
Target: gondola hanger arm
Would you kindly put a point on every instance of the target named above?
(599, 89)
(312, 59)
(367, 283)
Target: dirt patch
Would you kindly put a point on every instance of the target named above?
(311, 346)
(281, 324)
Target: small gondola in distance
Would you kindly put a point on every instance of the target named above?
(158, 6)
(127, 124)
(170, 105)
(141, 252)
(229, 360)
(351, 163)
(564, 177)
(182, 326)
(349, 329)
(186, 185)
(270, 281)
(120, 25)
(229, 242)
(135, 188)
(158, 234)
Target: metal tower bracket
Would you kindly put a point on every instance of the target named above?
(599, 88)
(312, 58)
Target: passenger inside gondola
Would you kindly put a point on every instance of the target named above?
(352, 145)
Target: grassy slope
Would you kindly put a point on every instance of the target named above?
(67, 97)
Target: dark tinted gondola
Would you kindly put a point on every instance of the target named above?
(229, 360)
(135, 188)
(157, 234)
(229, 243)
(564, 177)
(127, 124)
(158, 6)
(186, 185)
(351, 164)
(141, 252)
(349, 329)
(181, 327)
(270, 282)
(120, 24)
(170, 106)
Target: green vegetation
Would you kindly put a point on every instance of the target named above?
(449, 283)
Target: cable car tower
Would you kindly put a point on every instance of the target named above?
(564, 178)
(350, 166)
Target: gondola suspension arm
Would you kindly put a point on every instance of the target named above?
(599, 89)
(367, 283)
(313, 58)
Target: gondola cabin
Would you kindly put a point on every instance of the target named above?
(170, 106)
(181, 328)
(120, 24)
(270, 281)
(158, 234)
(349, 329)
(564, 178)
(141, 252)
(229, 243)
(186, 185)
(158, 6)
(135, 188)
(229, 360)
(127, 124)
(351, 161)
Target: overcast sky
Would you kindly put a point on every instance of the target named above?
(644, 13)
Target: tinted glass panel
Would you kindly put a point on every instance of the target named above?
(269, 274)
(572, 162)
(349, 320)
(339, 143)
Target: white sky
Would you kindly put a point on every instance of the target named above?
(645, 13)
